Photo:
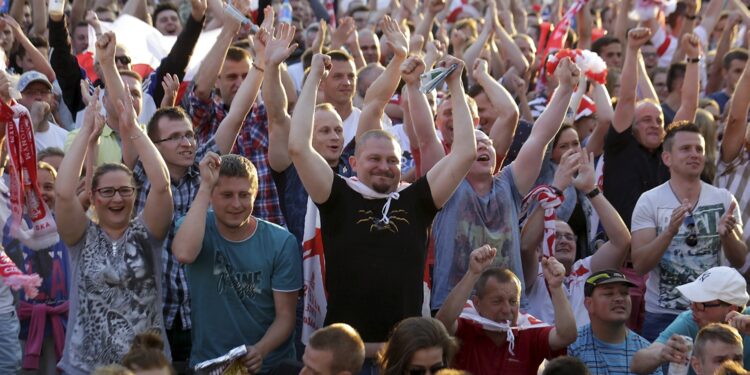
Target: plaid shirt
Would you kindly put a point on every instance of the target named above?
(252, 143)
(174, 284)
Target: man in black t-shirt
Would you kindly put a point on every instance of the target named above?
(374, 228)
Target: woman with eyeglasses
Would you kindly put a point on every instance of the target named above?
(115, 286)
(418, 346)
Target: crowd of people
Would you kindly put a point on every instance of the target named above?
(381, 187)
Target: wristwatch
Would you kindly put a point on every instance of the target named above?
(593, 193)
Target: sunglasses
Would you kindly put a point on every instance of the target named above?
(423, 371)
(700, 306)
(692, 237)
(109, 192)
(124, 60)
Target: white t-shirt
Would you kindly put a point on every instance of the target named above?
(54, 137)
(680, 263)
(540, 303)
(297, 73)
(351, 122)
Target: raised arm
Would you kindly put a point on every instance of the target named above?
(188, 240)
(604, 116)
(445, 176)
(613, 252)
(646, 89)
(315, 173)
(41, 64)
(277, 50)
(472, 52)
(625, 109)
(691, 84)
(431, 10)
(565, 331)
(505, 124)
(479, 260)
(211, 65)
(226, 133)
(510, 49)
(735, 132)
(69, 214)
(39, 18)
(423, 121)
(529, 160)
(382, 89)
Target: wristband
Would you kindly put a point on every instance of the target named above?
(557, 191)
(593, 193)
(257, 67)
(693, 60)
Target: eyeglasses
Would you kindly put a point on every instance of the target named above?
(692, 237)
(700, 306)
(124, 60)
(190, 137)
(566, 236)
(109, 192)
(423, 371)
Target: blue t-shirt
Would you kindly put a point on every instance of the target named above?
(721, 97)
(468, 221)
(686, 326)
(603, 358)
(232, 285)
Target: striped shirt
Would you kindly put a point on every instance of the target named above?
(735, 177)
(604, 358)
(175, 294)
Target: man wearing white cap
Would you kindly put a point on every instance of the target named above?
(36, 96)
(714, 296)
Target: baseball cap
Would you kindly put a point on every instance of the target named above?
(719, 283)
(32, 76)
(603, 278)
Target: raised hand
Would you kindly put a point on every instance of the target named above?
(739, 321)
(554, 272)
(585, 181)
(320, 66)
(171, 85)
(692, 45)
(93, 107)
(435, 52)
(198, 8)
(340, 35)
(728, 222)
(93, 20)
(268, 18)
(320, 37)
(99, 122)
(567, 73)
(38, 112)
(480, 69)
(105, 48)
(395, 37)
(637, 37)
(447, 62)
(481, 258)
(278, 46)
(258, 46)
(209, 169)
(570, 161)
(10, 21)
(128, 123)
(434, 6)
(411, 69)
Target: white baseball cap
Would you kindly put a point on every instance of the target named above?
(719, 283)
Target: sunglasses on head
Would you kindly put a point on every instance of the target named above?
(124, 60)
(423, 371)
(692, 237)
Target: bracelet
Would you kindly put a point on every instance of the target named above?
(593, 193)
(557, 191)
(134, 137)
(257, 67)
(693, 60)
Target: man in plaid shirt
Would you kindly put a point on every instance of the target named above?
(172, 132)
(207, 108)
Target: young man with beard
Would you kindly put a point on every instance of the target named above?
(486, 205)
(244, 273)
(718, 295)
(171, 130)
(682, 228)
(497, 298)
(374, 229)
(606, 345)
(609, 255)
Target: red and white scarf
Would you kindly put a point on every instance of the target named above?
(549, 200)
(524, 321)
